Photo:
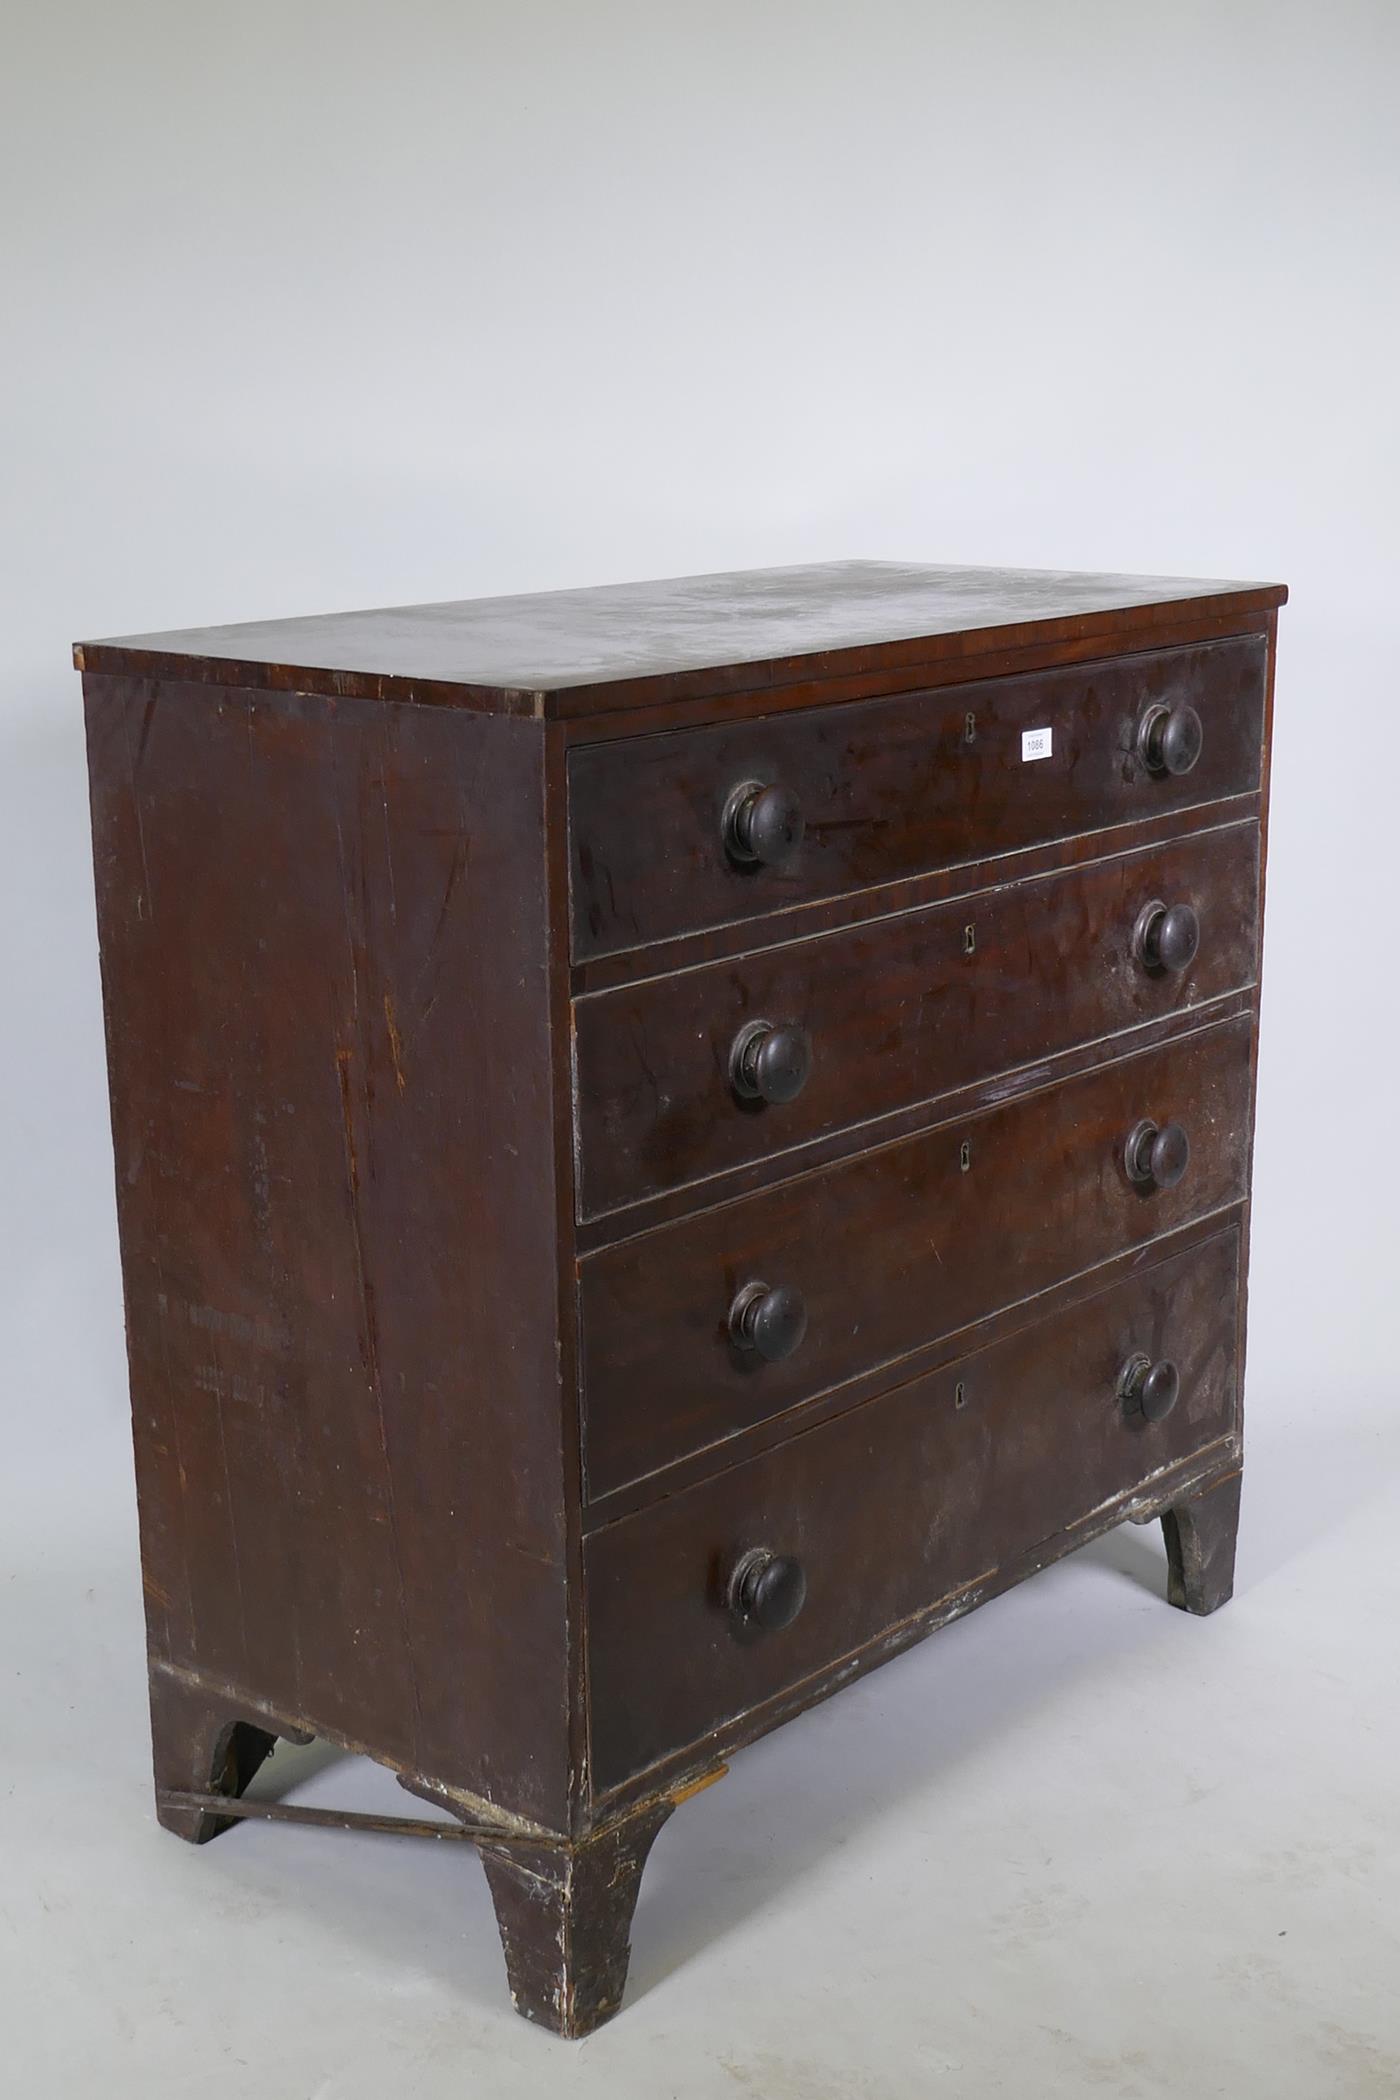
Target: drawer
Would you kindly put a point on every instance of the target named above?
(897, 1505)
(895, 787)
(895, 1248)
(897, 1011)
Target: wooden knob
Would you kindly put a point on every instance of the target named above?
(767, 1590)
(1166, 937)
(762, 826)
(1169, 739)
(772, 1323)
(770, 1061)
(1148, 1389)
(1156, 1156)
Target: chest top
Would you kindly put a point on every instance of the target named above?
(571, 654)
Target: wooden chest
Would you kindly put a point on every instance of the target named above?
(669, 1141)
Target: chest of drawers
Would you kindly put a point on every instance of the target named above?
(669, 1140)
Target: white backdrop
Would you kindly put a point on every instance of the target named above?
(314, 305)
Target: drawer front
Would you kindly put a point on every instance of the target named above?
(895, 1248)
(891, 788)
(895, 1506)
(898, 1011)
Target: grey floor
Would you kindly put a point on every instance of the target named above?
(1077, 1844)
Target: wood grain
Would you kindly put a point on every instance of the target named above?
(894, 1247)
(572, 653)
(917, 1494)
(898, 1011)
(319, 922)
(893, 788)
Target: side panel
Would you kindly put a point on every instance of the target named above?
(324, 929)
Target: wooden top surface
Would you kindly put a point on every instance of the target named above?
(569, 653)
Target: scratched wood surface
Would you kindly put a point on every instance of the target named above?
(321, 921)
(576, 653)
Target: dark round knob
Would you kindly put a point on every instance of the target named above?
(770, 1061)
(1167, 936)
(1157, 1156)
(763, 826)
(771, 1322)
(1170, 738)
(1150, 1389)
(767, 1590)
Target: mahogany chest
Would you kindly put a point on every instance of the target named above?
(669, 1141)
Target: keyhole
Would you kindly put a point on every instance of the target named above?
(969, 940)
(960, 1394)
(965, 1155)
(969, 729)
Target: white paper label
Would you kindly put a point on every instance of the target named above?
(1036, 743)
